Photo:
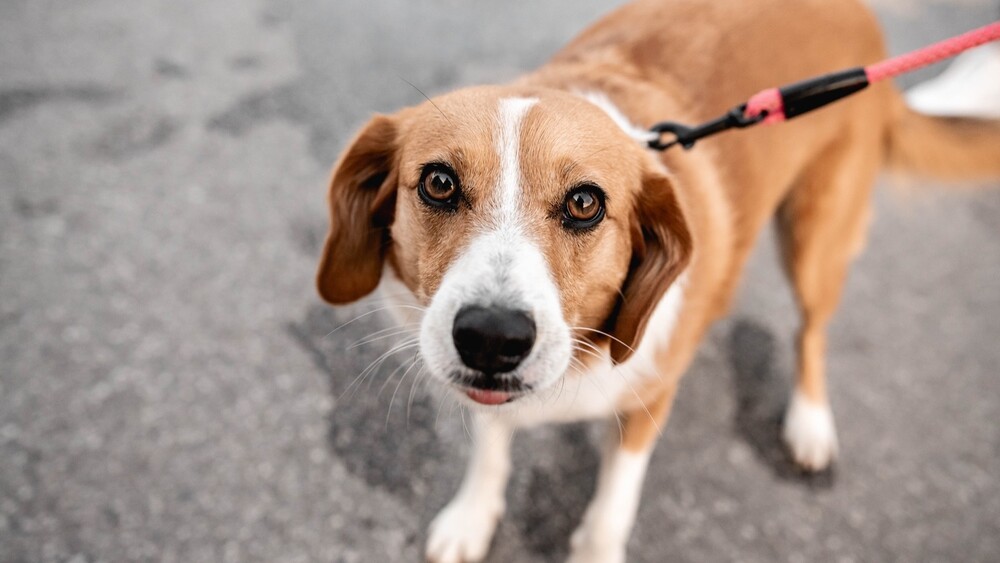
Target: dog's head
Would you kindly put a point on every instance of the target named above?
(525, 220)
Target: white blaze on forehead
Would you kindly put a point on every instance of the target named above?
(512, 112)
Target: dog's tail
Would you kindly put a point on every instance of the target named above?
(945, 148)
(951, 148)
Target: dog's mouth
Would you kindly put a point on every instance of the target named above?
(484, 397)
(489, 389)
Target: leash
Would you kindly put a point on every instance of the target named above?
(779, 104)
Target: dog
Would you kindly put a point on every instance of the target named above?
(560, 270)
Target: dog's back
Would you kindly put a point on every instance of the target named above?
(691, 60)
(711, 55)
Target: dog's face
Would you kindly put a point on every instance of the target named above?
(528, 223)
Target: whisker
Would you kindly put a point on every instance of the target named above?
(602, 333)
(451, 411)
(374, 364)
(437, 417)
(604, 393)
(399, 306)
(656, 425)
(417, 380)
(391, 376)
(590, 352)
(577, 365)
(590, 345)
(402, 378)
(425, 97)
(617, 371)
(576, 395)
(562, 380)
(372, 312)
(381, 335)
(465, 425)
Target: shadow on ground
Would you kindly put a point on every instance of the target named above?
(382, 426)
(762, 393)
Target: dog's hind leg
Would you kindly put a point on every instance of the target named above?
(822, 225)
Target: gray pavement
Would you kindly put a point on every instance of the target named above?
(169, 389)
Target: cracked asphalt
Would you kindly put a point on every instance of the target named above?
(172, 389)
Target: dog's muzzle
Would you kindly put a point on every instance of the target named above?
(493, 341)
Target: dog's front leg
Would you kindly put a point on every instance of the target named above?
(602, 535)
(462, 531)
(604, 532)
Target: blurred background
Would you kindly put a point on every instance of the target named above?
(170, 389)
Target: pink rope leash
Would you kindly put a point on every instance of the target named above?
(778, 104)
(772, 102)
(932, 53)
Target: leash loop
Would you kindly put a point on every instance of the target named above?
(686, 136)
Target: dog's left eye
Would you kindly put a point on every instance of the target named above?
(583, 207)
(438, 187)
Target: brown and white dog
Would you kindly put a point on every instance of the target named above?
(562, 271)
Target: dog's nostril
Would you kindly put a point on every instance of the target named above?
(493, 339)
(518, 346)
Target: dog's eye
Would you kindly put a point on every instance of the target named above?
(438, 187)
(583, 208)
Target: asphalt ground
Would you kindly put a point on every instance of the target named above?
(170, 389)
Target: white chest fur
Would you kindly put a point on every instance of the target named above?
(597, 391)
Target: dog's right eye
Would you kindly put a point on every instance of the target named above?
(439, 187)
(583, 208)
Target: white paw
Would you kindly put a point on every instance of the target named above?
(462, 531)
(810, 433)
(592, 544)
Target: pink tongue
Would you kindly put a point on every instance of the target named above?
(488, 397)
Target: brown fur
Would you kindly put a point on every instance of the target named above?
(818, 169)
(661, 248)
(953, 148)
(684, 60)
(360, 198)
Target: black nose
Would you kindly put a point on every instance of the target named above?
(493, 339)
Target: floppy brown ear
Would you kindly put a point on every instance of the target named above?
(661, 248)
(361, 199)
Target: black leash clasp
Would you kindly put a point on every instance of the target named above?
(796, 99)
(687, 135)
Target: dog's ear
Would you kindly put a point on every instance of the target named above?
(661, 248)
(361, 199)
